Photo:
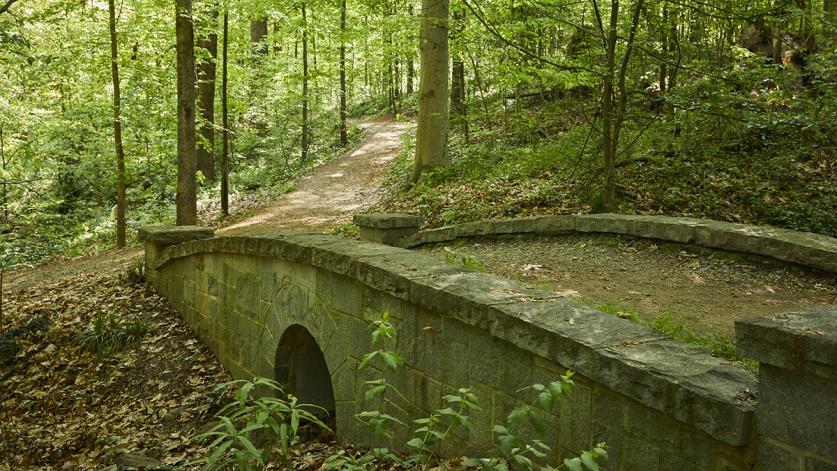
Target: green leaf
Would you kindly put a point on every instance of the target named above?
(589, 462)
(573, 464)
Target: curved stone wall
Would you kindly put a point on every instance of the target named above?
(660, 404)
(803, 248)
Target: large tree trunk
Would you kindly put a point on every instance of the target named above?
(432, 131)
(305, 137)
(344, 137)
(117, 130)
(206, 101)
(186, 200)
(225, 122)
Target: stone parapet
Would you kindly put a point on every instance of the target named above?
(803, 248)
(797, 415)
(387, 229)
(157, 238)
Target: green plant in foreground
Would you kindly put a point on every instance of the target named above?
(247, 421)
(511, 450)
(109, 335)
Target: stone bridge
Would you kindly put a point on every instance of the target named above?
(296, 307)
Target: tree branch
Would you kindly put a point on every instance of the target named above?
(6, 6)
(523, 50)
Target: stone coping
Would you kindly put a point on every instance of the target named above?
(387, 220)
(694, 387)
(803, 248)
(796, 340)
(167, 234)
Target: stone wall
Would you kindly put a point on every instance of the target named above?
(660, 404)
(803, 248)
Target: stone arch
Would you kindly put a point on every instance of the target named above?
(301, 368)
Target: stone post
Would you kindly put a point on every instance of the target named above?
(156, 238)
(387, 229)
(797, 415)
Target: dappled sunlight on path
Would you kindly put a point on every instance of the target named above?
(334, 191)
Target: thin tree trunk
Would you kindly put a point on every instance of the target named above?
(305, 137)
(225, 122)
(410, 73)
(609, 147)
(186, 199)
(457, 90)
(117, 130)
(613, 114)
(432, 130)
(5, 183)
(206, 100)
(344, 137)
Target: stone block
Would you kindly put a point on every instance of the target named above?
(169, 235)
(798, 340)
(774, 457)
(339, 292)
(799, 410)
(386, 229)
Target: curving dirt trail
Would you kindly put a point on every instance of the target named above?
(334, 191)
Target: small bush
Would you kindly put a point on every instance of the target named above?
(109, 335)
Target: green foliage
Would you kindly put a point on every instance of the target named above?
(446, 426)
(250, 420)
(452, 257)
(135, 274)
(346, 230)
(109, 335)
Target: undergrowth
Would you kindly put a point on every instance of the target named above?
(108, 334)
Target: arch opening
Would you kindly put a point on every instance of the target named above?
(301, 369)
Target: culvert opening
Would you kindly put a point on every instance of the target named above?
(302, 371)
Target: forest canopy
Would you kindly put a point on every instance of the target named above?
(721, 109)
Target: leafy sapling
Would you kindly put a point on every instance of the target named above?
(274, 419)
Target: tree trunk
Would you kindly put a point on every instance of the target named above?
(457, 89)
(225, 122)
(186, 200)
(5, 183)
(609, 147)
(305, 137)
(613, 111)
(117, 130)
(344, 137)
(206, 101)
(410, 73)
(258, 36)
(432, 131)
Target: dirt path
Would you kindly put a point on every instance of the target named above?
(701, 289)
(334, 191)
